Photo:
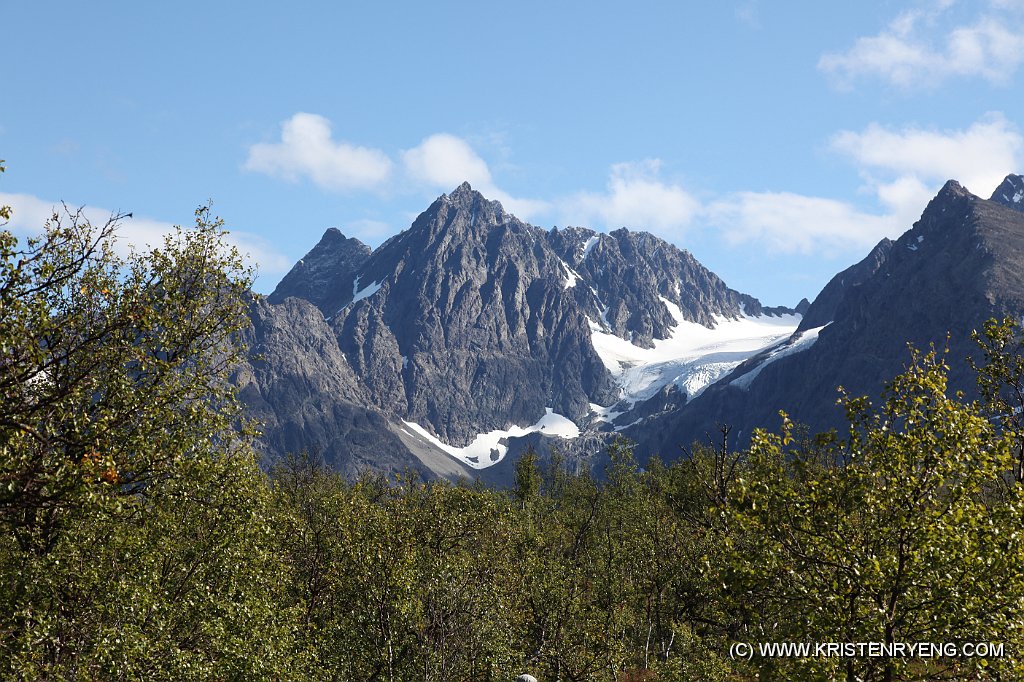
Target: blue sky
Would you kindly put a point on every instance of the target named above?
(776, 141)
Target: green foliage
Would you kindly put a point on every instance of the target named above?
(134, 541)
(5, 211)
(915, 536)
(415, 581)
(111, 371)
(1001, 382)
(528, 477)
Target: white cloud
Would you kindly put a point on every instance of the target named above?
(793, 223)
(902, 169)
(444, 161)
(905, 167)
(306, 149)
(31, 213)
(636, 197)
(922, 48)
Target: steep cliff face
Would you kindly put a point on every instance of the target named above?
(325, 275)
(823, 310)
(300, 387)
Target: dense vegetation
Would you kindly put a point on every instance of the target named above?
(139, 540)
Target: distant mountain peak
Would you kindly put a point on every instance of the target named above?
(325, 273)
(463, 194)
(952, 188)
(953, 197)
(461, 199)
(1010, 192)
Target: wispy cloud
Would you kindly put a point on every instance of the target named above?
(784, 222)
(307, 150)
(748, 13)
(31, 213)
(636, 197)
(444, 161)
(904, 166)
(923, 47)
(441, 161)
(901, 168)
(369, 230)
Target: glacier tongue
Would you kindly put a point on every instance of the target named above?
(693, 357)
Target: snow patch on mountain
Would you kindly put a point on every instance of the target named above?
(487, 449)
(571, 276)
(1018, 192)
(693, 357)
(359, 294)
(800, 341)
(605, 414)
(589, 246)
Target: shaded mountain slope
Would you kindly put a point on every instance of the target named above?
(959, 265)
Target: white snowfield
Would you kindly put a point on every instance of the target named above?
(692, 358)
(477, 454)
(359, 294)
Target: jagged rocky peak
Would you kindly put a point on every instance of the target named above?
(1010, 192)
(574, 244)
(953, 188)
(641, 284)
(950, 218)
(950, 211)
(823, 309)
(948, 228)
(472, 322)
(456, 224)
(324, 276)
(470, 327)
(463, 210)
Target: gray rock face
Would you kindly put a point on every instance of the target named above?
(472, 327)
(469, 321)
(959, 265)
(299, 385)
(823, 310)
(324, 277)
(1010, 192)
(628, 274)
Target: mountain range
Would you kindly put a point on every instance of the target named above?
(472, 335)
